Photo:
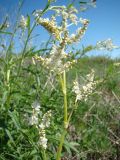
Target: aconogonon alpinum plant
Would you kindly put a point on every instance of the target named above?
(58, 62)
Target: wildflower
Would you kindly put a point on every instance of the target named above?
(36, 111)
(73, 18)
(41, 126)
(42, 139)
(50, 26)
(36, 106)
(43, 142)
(66, 66)
(34, 119)
(57, 59)
(106, 45)
(116, 64)
(83, 92)
(44, 124)
(90, 77)
(54, 59)
(55, 62)
(70, 13)
(84, 21)
(77, 91)
(78, 36)
(46, 119)
(80, 32)
(23, 22)
(65, 15)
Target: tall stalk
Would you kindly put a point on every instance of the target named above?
(64, 90)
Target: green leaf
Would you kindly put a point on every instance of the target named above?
(2, 158)
(10, 136)
(15, 119)
(28, 23)
(3, 32)
(69, 6)
(72, 146)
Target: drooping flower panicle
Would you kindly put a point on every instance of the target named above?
(68, 15)
(80, 32)
(23, 22)
(106, 45)
(35, 113)
(55, 61)
(40, 125)
(82, 92)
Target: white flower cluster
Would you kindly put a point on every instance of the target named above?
(55, 61)
(116, 64)
(80, 32)
(106, 45)
(66, 13)
(42, 139)
(45, 120)
(42, 126)
(84, 91)
(45, 123)
(68, 18)
(23, 22)
(36, 111)
(70, 13)
(50, 25)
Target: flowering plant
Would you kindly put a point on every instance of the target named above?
(39, 98)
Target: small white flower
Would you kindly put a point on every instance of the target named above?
(84, 21)
(41, 126)
(79, 33)
(34, 120)
(73, 18)
(65, 14)
(46, 119)
(43, 142)
(90, 77)
(77, 91)
(116, 64)
(23, 22)
(36, 106)
(106, 45)
(85, 88)
(84, 91)
(55, 61)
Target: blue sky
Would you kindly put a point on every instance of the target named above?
(104, 21)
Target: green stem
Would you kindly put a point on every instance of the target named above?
(65, 100)
(58, 157)
(64, 89)
(44, 155)
(27, 40)
(24, 49)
